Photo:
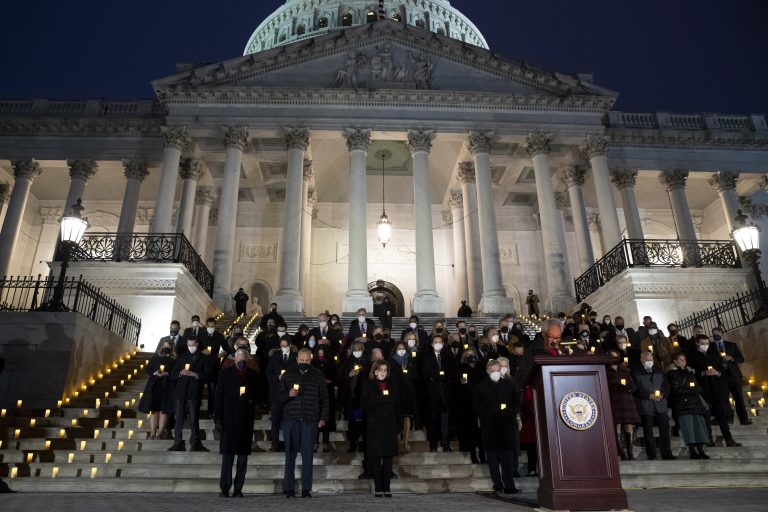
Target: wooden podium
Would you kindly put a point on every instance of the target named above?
(578, 462)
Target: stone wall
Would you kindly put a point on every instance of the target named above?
(48, 355)
(753, 341)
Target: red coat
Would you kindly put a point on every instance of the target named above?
(528, 433)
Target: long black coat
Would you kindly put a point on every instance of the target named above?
(278, 366)
(714, 389)
(467, 428)
(685, 399)
(440, 389)
(331, 375)
(498, 426)
(159, 390)
(235, 412)
(351, 387)
(407, 380)
(383, 417)
(190, 388)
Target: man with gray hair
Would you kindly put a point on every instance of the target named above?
(548, 340)
(304, 395)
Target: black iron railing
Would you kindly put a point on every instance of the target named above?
(145, 247)
(656, 253)
(743, 309)
(28, 293)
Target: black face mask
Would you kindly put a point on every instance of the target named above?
(463, 331)
(472, 333)
(270, 327)
(620, 326)
(303, 367)
(455, 344)
(471, 360)
(569, 326)
(439, 330)
(483, 348)
(378, 337)
(673, 333)
(505, 329)
(174, 332)
(166, 351)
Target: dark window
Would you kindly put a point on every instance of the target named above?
(346, 20)
(420, 23)
(322, 23)
(397, 17)
(371, 16)
(300, 30)
(441, 31)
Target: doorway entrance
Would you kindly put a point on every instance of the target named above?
(386, 297)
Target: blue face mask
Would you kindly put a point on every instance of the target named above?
(241, 365)
(718, 337)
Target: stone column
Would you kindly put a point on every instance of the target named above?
(465, 175)
(574, 178)
(235, 140)
(306, 245)
(625, 180)
(288, 297)
(306, 228)
(595, 148)
(426, 300)
(190, 171)
(456, 202)
(561, 203)
(46, 241)
(5, 193)
(674, 181)
(494, 300)
(24, 172)
(725, 184)
(204, 197)
(80, 171)
(135, 172)
(559, 284)
(357, 295)
(176, 139)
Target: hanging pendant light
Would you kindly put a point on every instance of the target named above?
(384, 226)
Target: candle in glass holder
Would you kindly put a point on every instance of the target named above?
(93, 472)
(74, 422)
(657, 393)
(592, 349)
(357, 367)
(296, 387)
(120, 445)
(119, 413)
(413, 354)
(47, 444)
(442, 373)
(106, 423)
(465, 376)
(650, 349)
(14, 472)
(722, 354)
(282, 372)
(83, 445)
(242, 390)
(761, 402)
(365, 335)
(692, 384)
(18, 403)
(675, 344)
(62, 433)
(54, 472)
(209, 348)
(98, 403)
(385, 392)
(140, 423)
(754, 411)
(30, 457)
(47, 413)
(162, 368)
(85, 412)
(2, 413)
(626, 360)
(186, 366)
(130, 434)
(466, 346)
(107, 458)
(33, 421)
(503, 406)
(405, 370)
(749, 395)
(58, 403)
(17, 433)
(70, 458)
(623, 382)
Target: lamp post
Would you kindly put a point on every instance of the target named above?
(747, 237)
(73, 227)
(384, 226)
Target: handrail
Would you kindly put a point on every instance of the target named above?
(633, 253)
(743, 309)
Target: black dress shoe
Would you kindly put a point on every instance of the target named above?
(387, 494)
(747, 422)
(198, 447)
(178, 447)
(511, 490)
(290, 494)
(237, 494)
(223, 495)
(378, 495)
(364, 476)
(306, 494)
(732, 444)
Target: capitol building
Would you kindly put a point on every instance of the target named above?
(271, 171)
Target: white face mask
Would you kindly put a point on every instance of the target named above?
(285, 349)
(495, 376)
(504, 370)
(192, 349)
(653, 332)
(281, 333)
(437, 347)
(322, 324)
(401, 352)
(357, 354)
(312, 343)
(381, 375)
(361, 319)
(333, 322)
(647, 365)
(195, 324)
(623, 346)
(703, 348)
(411, 343)
(412, 325)
(495, 338)
(210, 330)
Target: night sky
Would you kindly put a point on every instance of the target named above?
(663, 55)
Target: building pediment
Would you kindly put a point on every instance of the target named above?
(380, 56)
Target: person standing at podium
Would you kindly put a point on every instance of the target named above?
(496, 403)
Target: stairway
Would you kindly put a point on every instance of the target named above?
(106, 449)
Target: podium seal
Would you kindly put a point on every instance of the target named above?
(578, 410)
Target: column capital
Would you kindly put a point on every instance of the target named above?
(82, 169)
(296, 137)
(456, 198)
(480, 142)
(593, 219)
(308, 171)
(594, 145)
(420, 140)
(311, 196)
(176, 137)
(50, 215)
(724, 180)
(538, 143)
(205, 195)
(5, 191)
(447, 216)
(28, 169)
(574, 176)
(358, 139)
(134, 169)
(623, 177)
(466, 172)
(236, 137)
(673, 179)
(191, 169)
(764, 183)
(561, 200)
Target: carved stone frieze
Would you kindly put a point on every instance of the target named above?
(191, 169)
(135, 169)
(420, 140)
(357, 139)
(538, 143)
(144, 215)
(447, 216)
(311, 197)
(133, 284)
(755, 211)
(623, 177)
(673, 179)
(724, 180)
(308, 171)
(50, 215)
(82, 169)
(81, 127)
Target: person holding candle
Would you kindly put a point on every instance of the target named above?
(496, 403)
(236, 396)
(360, 327)
(280, 360)
(621, 388)
(689, 407)
(158, 393)
(380, 399)
(732, 358)
(658, 345)
(325, 335)
(422, 338)
(322, 359)
(304, 395)
(211, 342)
(230, 361)
(189, 373)
(467, 427)
(651, 390)
(438, 371)
(351, 377)
(403, 367)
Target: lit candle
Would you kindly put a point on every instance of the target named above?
(62, 433)
(749, 395)
(592, 349)
(675, 344)
(74, 422)
(365, 335)
(108, 371)
(692, 384)
(14, 472)
(93, 472)
(385, 392)
(33, 421)
(140, 423)
(85, 412)
(209, 348)
(650, 349)
(186, 366)
(70, 458)
(722, 354)
(761, 402)
(18, 403)
(129, 376)
(357, 367)
(466, 346)
(127, 404)
(30, 457)
(98, 403)
(623, 382)
(2, 413)
(162, 368)
(626, 360)
(754, 411)
(503, 406)
(106, 395)
(47, 412)
(657, 393)
(751, 380)
(66, 401)
(709, 367)
(405, 370)
(58, 403)
(130, 434)
(282, 372)
(120, 445)
(296, 387)
(119, 413)
(413, 354)
(107, 458)
(47, 444)
(133, 401)
(17, 433)
(54, 472)
(106, 423)
(114, 388)
(464, 376)
(83, 445)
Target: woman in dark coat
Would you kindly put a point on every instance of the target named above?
(323, 360)
(621, 390)
(351, 377)
(467, 426)
(688, 406)
(158, 393)
(380, 399)
(403, 367)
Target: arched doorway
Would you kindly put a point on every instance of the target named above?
(259, 298)
(385, 296)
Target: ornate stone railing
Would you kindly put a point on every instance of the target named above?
(656, 253)
(145, 247)
(653, 120)
(80, 108)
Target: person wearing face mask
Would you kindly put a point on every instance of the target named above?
(570, 331)
(497, 348)
(464, 310)
(301, 337)
(517, 334)
(382, 342)
(175, 337)
(195, 329)
(403, 367)
(281, 359)
(324, 330)
(241, 342)
(689, 407)
(322, 359)
(360, 327)
(651, 390)
(234, 335)
(351, 378)
(467, 429)
(455, 349)
(710, 374)
(272, 315)
(642, 331)
(629, 355)
(732, 357)
(532, 301)
(497, 403)
(504, 331)
(607, 324)
(189, 374)
(267, 340)
(380, 399)
(415, 328)
(304, 395)
(659, 345)
(158, 393)
(679, 342)
(438, 370)
(236, 396)
(620, 329)
(621, 388)
(439, 328)
(484, 350)
(211, 343)
(585, 342)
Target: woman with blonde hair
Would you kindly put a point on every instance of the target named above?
(157, 400)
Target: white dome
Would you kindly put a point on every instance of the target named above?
(302, 19)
